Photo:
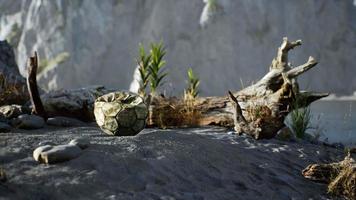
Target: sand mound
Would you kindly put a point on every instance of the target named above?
(204, 163)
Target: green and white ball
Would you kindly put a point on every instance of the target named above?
(121, 113)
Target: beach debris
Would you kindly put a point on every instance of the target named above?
(121, 113)
(13, 111)
(64, 121)
(341, 176)
(37, 106)
(26, 121)
(258, 110)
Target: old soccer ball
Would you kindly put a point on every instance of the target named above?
(120, 113)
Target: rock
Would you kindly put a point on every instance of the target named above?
(55, 154)
(64, 121)
(4, 128)
(121, 113)
(82, 143)
(12, 111)
(187, 43)
(76, 103)
(285, 134)
(13, 89)
(28, 122)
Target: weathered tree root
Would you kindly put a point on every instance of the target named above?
(37, 105)
(258, 110)
(340, 176)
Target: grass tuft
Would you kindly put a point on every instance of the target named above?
(156, 67)
(143, 62)
(299, 119)
(193, 83)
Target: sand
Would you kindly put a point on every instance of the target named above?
(199, 163)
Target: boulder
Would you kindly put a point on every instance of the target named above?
(76, 103)
(121, 113)
(55, 154)
(4, 127)
(13, 89)
(64, 121)
(28, 122)
(13, 111)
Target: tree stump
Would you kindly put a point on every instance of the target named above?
(258, 110)
(37, 106)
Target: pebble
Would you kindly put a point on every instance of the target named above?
(49, 154)
(28, 122)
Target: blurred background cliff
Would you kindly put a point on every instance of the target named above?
(228, 43)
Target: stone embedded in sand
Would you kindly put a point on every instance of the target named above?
(4, 127)
(28, 122)
(64, 121)
(12, 111)
(82, 143)
(120, 113)
(55, 154)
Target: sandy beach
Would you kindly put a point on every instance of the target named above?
(198, 163)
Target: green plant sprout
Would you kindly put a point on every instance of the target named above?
(144, 65)
(156, 66)
(300, 119)
(193, 82)
(212, 5)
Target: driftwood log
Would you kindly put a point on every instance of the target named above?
(37, 106)
(258, 110)
(341, 176)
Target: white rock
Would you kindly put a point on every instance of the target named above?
(55, 154)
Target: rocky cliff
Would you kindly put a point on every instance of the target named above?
(95, 42)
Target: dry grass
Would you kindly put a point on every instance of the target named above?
(256, 112)
(178, 113)
(344, 184)
(12, 92)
